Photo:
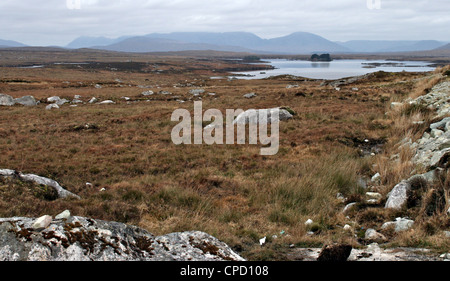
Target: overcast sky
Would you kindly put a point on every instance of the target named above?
(57, 22)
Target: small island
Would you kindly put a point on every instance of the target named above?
(323, 57)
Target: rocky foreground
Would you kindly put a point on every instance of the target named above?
(67, 238)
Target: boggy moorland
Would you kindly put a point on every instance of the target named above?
(118, 156)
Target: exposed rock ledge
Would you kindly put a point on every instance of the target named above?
(62, 193)
(84, 239)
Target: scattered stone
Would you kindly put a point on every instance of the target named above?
(6, 100)
(7, 173)
(262, 241)
(93, 100)
(347, 227)
(165, 93)
(107, 102)
(197, 92)
(98, 86)
(376, 178)
(42, 222)
(52, 106)
(147, 93)
(373, 235)
(396, 105)
(309, 222)
(253, 116)
(335, 253)
(250, 95)
(400, 224)
(77, 97)
(398, 196)
(64, 215)
(349, 207)
(26, 101)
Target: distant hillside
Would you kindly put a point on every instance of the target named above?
(296, 43)
(86, 42)
(444, 48)
(145, 44)
(9, 43)
(378, 46)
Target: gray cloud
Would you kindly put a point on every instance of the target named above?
(53, 23)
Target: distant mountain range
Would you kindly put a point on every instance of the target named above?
(9, 43)
(295, 43)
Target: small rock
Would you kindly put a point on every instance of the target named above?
(349, 207)
(93, 100)
(107, 102)
(262, 241)
(398, 196)
(250, 95)
(6, 100)
(147, 93)
(373, 235)
(347, 227)
(97, 86)
(52, 106)
(401, 224)
(309, 222)
(376, 178)
(396, 105)
(26, 101)
(335, 253)
(42, 222)
(64, 215)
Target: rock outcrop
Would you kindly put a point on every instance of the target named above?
(62, 193)
(267, 116)
(84, 239)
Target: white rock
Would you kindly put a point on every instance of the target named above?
(309, 222)
(107, 102)
(262, 241)
(26, 101)
(147, 93)
(42, 222)
(52, 106)
(349, 207)
(347, 227)
(398, 196)
(93, 100)
(7, 173)
(401, 224)
(376, 178)
(372, 234)
(6, 100)
(64, 215)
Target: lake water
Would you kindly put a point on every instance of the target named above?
(334, 70)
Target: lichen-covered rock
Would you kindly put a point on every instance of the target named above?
(6, 100)
(26, 101)
(398, 196)
(266, 116)
(84, 239)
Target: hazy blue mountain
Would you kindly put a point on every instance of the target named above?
(242, 39)
(375, 46)
(145, 44)
(301, 42)
(87, 42)
(296, 43)
(445, 47)
(9, 43)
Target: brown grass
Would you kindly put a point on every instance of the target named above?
(229, 191)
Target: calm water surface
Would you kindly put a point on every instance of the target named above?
(336, 69)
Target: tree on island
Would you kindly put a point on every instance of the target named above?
(323, 57)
